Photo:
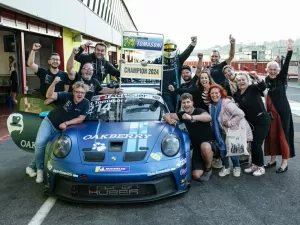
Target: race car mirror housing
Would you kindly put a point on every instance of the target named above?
(170, 145)
(62, 147)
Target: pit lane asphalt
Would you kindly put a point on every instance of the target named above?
(270, 199)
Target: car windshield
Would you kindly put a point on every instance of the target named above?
(126, 107)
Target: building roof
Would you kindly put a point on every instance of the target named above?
(129, 14)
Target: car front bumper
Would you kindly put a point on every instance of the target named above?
(158, 188)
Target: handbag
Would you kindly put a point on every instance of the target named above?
(236, 142)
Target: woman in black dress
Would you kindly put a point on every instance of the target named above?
(280, 140)
(14, 82)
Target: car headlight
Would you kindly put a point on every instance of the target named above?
(170, 145)
(62, 147)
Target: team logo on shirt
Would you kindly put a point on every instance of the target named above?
(67, 106)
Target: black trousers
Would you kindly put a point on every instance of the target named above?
(260, 132)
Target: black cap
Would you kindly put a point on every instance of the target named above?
(185, 67)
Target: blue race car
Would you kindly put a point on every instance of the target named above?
(123, 152)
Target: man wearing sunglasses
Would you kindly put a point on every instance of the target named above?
(71, 109)
(47, 75)
(86, 76)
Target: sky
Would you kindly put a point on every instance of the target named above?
(212, 21)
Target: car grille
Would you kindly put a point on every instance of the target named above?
(90, 156)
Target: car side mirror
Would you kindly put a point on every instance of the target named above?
(44, 114)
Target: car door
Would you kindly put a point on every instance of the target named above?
(23, 124)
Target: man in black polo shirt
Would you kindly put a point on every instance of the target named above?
(86, 76)
(47, 75)
(71, 109)
(197, 122)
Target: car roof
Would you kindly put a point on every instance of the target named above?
(140, 90)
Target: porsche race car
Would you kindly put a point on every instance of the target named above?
(122, 152)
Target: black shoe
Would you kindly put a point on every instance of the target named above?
(280, 170)
(269, 165)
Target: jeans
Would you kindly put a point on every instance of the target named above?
(225, 160)
(46, 130)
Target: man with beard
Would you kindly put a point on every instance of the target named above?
(186, 74)
(85, 76)
(47, 75)
(101, 65)
(217, 67)
(171, 73)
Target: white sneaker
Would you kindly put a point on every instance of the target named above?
(237, 171)
(30, 171)
(217, 163)
(260, 171)
(251, 169)
(224, 172)
(40, 176)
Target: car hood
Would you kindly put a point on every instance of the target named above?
(118, 142)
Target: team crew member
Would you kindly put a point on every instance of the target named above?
(86, 76)
(171, 74)
(47, 75)
(248, 97)
(71, 109)
(101, 65)
(197, 122)
(216, 69)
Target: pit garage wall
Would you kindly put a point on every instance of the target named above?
(86, 21)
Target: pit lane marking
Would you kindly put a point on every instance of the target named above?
(43, 211)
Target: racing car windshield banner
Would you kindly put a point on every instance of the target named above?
(119, 107)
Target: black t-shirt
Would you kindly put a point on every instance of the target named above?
(219, 77)
(94, 86)
(46, 79)
(66, 109)
(199, 131)
(191, 84)
(251, 102)
(217, 74)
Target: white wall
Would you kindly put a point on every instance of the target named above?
(67, 13)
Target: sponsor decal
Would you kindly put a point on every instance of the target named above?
(15, 123)
(116, 136)
(136, 70)
(142, 43)
(100, 147)
(49, 166)
(27, 144)
(181, 163)
(156, 156)
(161, 171)
(183, 171)
(65, 173)
(183, 180)
(114, 190)
(100, 169)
